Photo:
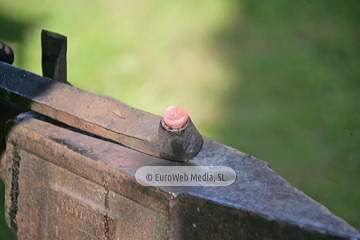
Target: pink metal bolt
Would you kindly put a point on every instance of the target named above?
(175, 117)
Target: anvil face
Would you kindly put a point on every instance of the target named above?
(63, 184)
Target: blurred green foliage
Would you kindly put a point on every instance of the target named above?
(276, 79)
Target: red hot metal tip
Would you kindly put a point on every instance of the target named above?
(175, 117)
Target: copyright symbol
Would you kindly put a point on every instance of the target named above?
(148, 177)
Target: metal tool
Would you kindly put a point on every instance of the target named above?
(53, 61)
(93, 113)
(64, 184)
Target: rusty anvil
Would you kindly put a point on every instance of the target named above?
(69, 178)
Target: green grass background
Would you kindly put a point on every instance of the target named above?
(276, 79)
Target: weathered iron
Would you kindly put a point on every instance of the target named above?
(62, 184)
(99, 115)
(54, 46)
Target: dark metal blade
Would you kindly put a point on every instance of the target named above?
(54, 46)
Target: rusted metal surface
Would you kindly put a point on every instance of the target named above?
(99, 115)
(61, 184)
(54, 46)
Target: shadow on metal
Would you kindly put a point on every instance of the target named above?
(11, 30)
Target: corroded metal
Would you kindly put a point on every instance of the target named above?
(62, 184)
(97, 114)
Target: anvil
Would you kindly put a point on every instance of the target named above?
(65, 181)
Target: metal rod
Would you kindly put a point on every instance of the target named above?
(99, 115)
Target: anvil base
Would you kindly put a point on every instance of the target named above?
(65, 184)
